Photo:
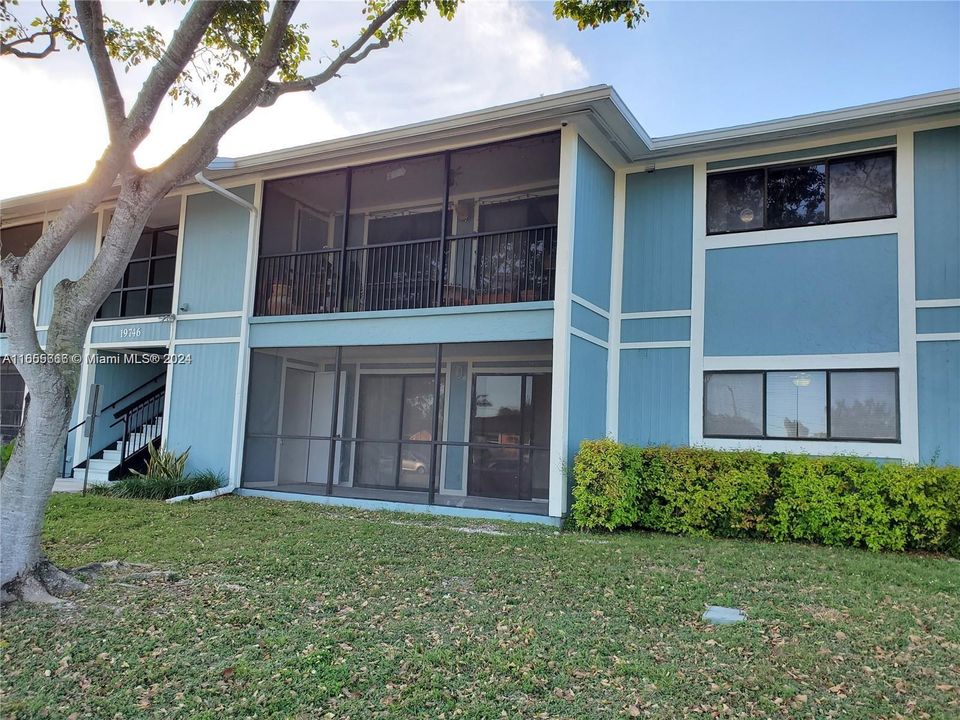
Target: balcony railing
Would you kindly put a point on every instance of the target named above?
(480, 269)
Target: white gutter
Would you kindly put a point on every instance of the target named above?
(233, 479)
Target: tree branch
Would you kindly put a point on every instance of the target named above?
(90, 18)
(351, 55)
(10, 48)
(194, 154)
(168, 68)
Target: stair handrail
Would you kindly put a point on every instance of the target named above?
(136, 404)
(66, 439)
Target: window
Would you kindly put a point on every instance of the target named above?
(146, 287)
(12, 390)
(860, 187)
(802, 405)
(864, 405)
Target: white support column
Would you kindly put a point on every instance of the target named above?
(569, 139)
(243, 360)
(697, 286)
(616, 303)
(174, 309)
(906, 262)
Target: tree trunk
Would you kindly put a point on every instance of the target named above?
(24, 490)
(52, 388)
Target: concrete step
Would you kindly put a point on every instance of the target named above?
(111, 455)
(103, 465)
(93, 476)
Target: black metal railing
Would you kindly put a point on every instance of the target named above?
(142, 424)
(67, 468)
(495, 267)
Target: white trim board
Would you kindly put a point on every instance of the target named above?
(616, 303)
(803, 362)
(812, 447)
(563, 287)
(952, 302)
(938, 337)
(653, 314)
(653, 345)
(906, 258)
(590, 306)
(807, 233)
(576, 332)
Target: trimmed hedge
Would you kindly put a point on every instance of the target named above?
(830, 500)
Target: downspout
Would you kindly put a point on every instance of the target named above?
(232, 481)
(232, 197)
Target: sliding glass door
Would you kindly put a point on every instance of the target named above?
(510, 424)
(397, 409)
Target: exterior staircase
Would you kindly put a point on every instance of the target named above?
(140, 425)
(110, 459)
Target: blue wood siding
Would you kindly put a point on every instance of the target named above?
(938, 320)
(655, 396)
(937, 208)
(655, 329)
(71, 263)
(158, 332)
(588, 394)
(213, 269)
(658, 240)
(202, 395)
(938, 396)
(822, 151)
(593, 228)
(588, 321)
(815, 297)
(228, 327)
(427, 326)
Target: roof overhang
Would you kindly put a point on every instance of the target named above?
(598, 106)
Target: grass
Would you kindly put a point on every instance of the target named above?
(300, 611)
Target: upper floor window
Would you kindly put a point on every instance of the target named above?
(146, 287)
(16, 241)
(19, 239)
(855, 187)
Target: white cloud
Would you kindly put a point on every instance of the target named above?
(491, 53)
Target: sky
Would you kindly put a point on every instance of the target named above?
(691, 66)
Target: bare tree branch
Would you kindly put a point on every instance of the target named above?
(168, 68)
(90, 18)
(10, 48)
(351, 55)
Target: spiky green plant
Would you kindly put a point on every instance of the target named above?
(165, 464)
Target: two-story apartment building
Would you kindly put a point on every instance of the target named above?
(435, 316)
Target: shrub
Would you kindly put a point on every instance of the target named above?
(831, 500)
(603, 495)
(153, 487)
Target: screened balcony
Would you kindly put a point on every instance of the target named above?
(377, 238)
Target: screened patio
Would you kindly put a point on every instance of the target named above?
(463, 425)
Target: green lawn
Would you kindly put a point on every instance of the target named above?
(295, 610)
